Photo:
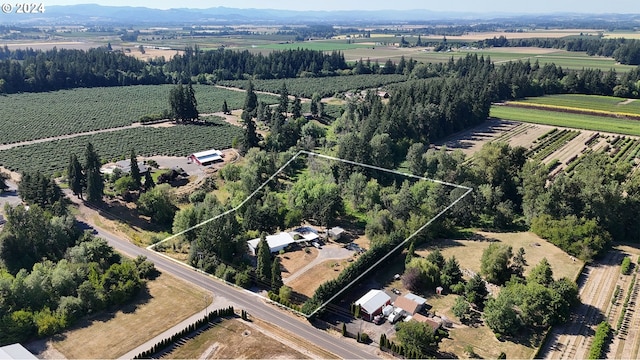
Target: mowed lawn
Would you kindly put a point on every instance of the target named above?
(571, 120)
(468, 252)
(109, 335)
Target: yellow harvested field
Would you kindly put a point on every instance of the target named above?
(292, 261)
(307, 283)
(109, 335)
(468, 252)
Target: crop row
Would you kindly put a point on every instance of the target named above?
(325, 86)
(578, 121)
(546, 141)
(587, 102)
(30, 116)
(181, 140)
(556, 145)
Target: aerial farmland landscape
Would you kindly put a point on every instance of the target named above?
(269, 180)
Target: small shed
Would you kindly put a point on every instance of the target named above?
(335, 233)
(371, 303)
(439, 290)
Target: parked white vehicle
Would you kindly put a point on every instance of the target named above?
(396, 315)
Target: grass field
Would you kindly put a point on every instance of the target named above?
(234, 339)
(180, 140)
(589, 102)
(577, 121)
(31, 116)
(469, 252)
(112, 334)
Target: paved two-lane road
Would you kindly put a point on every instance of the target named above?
(243, 299)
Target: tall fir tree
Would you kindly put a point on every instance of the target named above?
(148, 181)
(296, 108)
(283, 105)
(263, 267)
(225, 108)
(251, 100)
(135, 170)
(250, 138)
(75, 176)
(95, 184)
(276, 275)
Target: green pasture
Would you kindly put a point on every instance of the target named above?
(577, 121)
(30, 116)
(589, 102)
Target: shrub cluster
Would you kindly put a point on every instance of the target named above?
(599, 341)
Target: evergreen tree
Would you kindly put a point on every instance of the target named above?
(410, 253)
(225, 108)
(264, 260)
(148, 181)
(184, 106)
(315, 100)
(276, 275)
(135, 170)
(296, 108)
(283, 105)
(95, 184)
(75, 177)
(251, 100)
(250, 138)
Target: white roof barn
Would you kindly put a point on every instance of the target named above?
(372, 303)
(206, 157)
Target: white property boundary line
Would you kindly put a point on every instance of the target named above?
(468, 190)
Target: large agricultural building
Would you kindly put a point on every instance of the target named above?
(206, 157)
(371, 303)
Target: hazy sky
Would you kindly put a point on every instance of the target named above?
(510, 6)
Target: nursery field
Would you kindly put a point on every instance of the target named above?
(31, 116)
(325, 86)
(587, 102)
(179, 140)
(571, 120)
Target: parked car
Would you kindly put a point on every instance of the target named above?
(316, 245)
(378, 319)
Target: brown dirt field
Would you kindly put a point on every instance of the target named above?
(572, 340)
(363, 241)
(484, 343)
(169, 301)
(308, 282)
(151, 53)
(234, 339)
(469, 252)
(295, 260)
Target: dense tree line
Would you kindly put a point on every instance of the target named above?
(625, 51)
(36, 70)
(231, 65)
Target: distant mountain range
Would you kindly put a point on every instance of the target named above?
(92, 14)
